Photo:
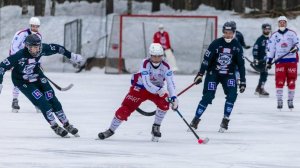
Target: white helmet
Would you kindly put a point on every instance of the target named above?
(160, 26)
(282, 18)
(156, 49)
(34, 21)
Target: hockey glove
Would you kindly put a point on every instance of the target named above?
(174, 102)
(294, 49)
(198, 78)
(1, 86)
(269, 66)
(247, 47)
(162, 92)
(255, 62)
(242, 87)
(76, 59)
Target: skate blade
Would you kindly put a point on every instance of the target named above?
(263, 96)
(66, 136)
(15, 110)
(76, 135)
(222, 130)
(155, 139)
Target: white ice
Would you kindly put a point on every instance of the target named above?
(259, 136)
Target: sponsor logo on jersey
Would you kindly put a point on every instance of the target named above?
(145, 73)
(280, 69)
(224, 59)
(292, 70)
(169, 73)
(284, 45)
(207, 53)
(226, 50)
(2, 71)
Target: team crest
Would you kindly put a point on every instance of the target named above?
(224, 59)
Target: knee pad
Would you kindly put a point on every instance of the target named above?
(123, 113)
(279, 83)
(291, 84)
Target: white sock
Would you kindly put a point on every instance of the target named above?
(159, 116)
(291, 94)
(279, 93)
(115, 123)
(16, 92)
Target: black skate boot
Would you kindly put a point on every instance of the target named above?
(257, 90)
(224, 124)
(156, 134)
(60, 131)
(106, 134)
(290, 104)
(195, 122)
(263, 93)
(71, 129)
(279, 104)
(15, 106)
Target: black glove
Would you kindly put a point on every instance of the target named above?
(269, 66)
(198, 78)
(255, 62)
(294, 49)
(242, 87)
(247, 47)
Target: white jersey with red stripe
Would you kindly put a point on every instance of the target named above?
(18, 40)
(280, 43)
(152, 79)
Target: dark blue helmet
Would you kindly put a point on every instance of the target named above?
(229, 26)
(266, 26)
(33, 40)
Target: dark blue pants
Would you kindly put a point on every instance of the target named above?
(210, 87)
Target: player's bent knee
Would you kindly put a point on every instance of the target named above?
(279, 83)
(123, 113)
(291, 84)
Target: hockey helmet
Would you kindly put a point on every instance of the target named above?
(34, 21)
(229, 26)
(33, 44)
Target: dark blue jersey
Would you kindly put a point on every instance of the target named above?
(259, 48)
(26, 67)
(240, 38)
(223, 58)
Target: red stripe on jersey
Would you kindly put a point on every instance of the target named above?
(145, 63)
(21, 31)
(166, 64)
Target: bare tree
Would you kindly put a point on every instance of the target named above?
(109, 6)
(156, 5)
(52, 10)
(39, 7)
(25, 7)
(129, 7)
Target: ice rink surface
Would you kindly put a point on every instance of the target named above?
(259, 136)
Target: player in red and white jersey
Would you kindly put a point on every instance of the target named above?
(148, 84)
(18, 44)
(281, 42)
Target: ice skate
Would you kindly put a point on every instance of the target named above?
(15, 106)
(156, 134)
(60, 131)
(257, 90)
(194, 123)
(72, 130)
(106, 134)
(224, 125)
(263, 93)
(279, 104)
(290, 104)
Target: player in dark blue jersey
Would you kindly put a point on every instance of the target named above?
(260, 58)
(32, 82)
(220, 61)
